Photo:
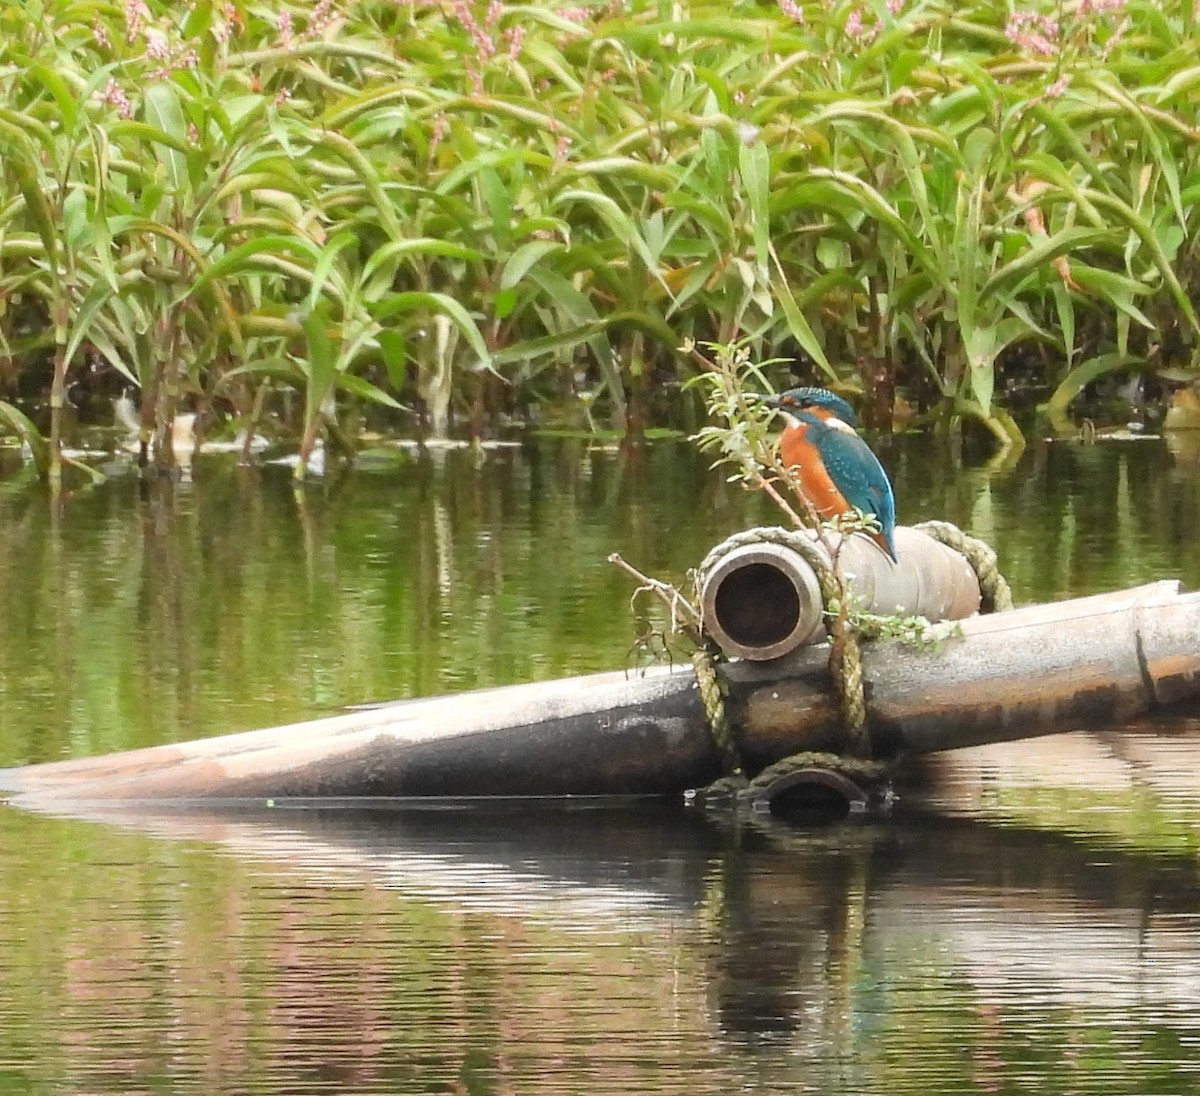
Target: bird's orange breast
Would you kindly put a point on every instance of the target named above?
(814, 480)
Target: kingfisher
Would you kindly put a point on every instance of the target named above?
(837, 471)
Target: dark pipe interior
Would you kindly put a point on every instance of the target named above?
(810, 804)
(757, 605)
(812, 796)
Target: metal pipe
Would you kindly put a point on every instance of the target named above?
(762, 600)
(811, 794)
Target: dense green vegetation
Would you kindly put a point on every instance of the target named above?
(467, 212)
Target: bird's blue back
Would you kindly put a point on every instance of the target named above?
(855, 471)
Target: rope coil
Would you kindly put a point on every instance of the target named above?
(845, 661)
(997, 595)
(845, 656)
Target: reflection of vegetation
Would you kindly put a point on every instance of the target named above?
(180, 611)
(1135, 817)
(162, 966)
(487, 208)
(1068, 519)
(879, 956)
(493, 954)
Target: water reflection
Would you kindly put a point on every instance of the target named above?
(592, 951)
(140, 614)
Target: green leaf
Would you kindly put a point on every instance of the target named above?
(81, 320)
(556, 343)
(21, 158)
(499, 202)
(165, 115)
(416, 300)
(323, 268)
(797, 324)
(504, 302)
(1045, 250)
(242, 258)
(381, 204)
(754, 163)
(24, 428)
(524, 258)
(1083, 374)
(321, 364)
(983, 384)
(425, 245)
(626, 167)
(365, 390)
(619, 224)
(394, 349)
(1116, 289)
(64, 98)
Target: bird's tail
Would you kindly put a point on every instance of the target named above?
(886, 543)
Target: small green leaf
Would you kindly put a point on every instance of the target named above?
(165, 115)
(524, 258)
(394, 349)
(754, 162)
(365, 390)
(504, 302)
(24, 428)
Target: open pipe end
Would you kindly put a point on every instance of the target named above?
(761, 601)
(811, 796)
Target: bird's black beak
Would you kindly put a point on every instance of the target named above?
(773, 401)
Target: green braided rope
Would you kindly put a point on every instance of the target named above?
(846, 656)
(860, 768)
(845, 659)
(712, 695)
(997, 596)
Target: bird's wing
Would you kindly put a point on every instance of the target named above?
(858, 475)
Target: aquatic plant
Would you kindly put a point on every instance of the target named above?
(458, 211)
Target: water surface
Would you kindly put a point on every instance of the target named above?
(1027, 922)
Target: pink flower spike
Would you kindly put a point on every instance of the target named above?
(1055, 90)
(516, 36)
(1032, 33)
(156, 45)
(792, 10)
(114, 96)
